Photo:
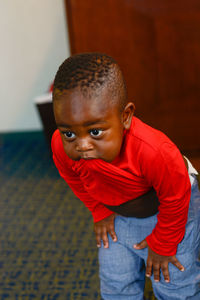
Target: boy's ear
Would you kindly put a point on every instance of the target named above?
(127, 114)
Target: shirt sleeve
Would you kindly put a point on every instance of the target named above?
(167, 173)
(98, 210)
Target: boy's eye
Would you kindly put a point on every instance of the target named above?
(69, 135)
(96, 132)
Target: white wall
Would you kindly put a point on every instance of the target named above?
(33, 43)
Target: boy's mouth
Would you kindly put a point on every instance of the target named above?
(87, 157)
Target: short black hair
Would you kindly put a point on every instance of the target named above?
(89, 72)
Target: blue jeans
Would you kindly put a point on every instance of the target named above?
(122, 268)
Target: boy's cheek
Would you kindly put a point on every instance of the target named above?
(72, 155)
(69, 150)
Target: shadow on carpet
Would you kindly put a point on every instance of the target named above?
(47, 246)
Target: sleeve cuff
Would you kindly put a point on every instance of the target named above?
(101, 212)
(167, 249)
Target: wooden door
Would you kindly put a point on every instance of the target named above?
(157, 45)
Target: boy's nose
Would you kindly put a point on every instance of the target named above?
(83, 145)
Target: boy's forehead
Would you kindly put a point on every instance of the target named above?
(76, 102)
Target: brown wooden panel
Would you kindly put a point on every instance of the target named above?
(157, 44)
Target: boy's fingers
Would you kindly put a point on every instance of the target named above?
(165, 271)
(105, 239)
(102, 228)
(98, 239)
(149, 268)
(113, 234)
(143, 244)
(177, 264)
(156, 272)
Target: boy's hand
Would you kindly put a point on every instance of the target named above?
(156, 262)
(102, 228)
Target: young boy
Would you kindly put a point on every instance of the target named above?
(142, 193)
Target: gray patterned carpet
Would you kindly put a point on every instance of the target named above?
(47, 247)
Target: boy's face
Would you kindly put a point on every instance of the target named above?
(90, 128)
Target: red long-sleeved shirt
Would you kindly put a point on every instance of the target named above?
(147, 159)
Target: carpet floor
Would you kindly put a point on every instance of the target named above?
(47, 246)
